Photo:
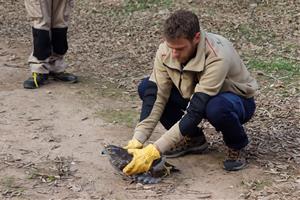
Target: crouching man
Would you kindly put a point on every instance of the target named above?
(196, 75)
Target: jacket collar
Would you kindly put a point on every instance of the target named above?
(196, 64)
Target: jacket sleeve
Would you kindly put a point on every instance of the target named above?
(156, 96)
(210, 83)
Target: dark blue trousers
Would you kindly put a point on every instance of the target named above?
(225, 111)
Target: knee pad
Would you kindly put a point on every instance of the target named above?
(41, 44)
(59, 40)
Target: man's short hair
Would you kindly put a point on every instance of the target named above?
(181, 23)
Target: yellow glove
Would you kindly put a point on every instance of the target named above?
(133, 144)
(142, 159)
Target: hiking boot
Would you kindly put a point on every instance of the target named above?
(35, 81)
(65, 77)
(188, 145)
(236, 160)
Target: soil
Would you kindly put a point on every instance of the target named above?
(52, 137)
(54, 123)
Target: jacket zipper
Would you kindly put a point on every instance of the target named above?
(180, 77)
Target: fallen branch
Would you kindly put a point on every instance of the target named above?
(12, 65)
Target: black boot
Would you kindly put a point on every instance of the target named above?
(236, 160)
(65, 77)
(36, 81)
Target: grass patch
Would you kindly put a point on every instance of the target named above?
(45, 178)
(254, 34)
(276, 65)
(99, 88)
(244, 29)
(11, 188)
(291, 48)
(256, 185)
(8, 182)
(51, 170)
(280, 74)
(124, 117)
(287, 69)
(136, 5)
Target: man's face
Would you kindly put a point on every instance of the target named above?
(183, 49)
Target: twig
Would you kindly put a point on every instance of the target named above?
(11, 65)
(292, 58)
(269, 114)
(34, 119)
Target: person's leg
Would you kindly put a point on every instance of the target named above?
(61, 10)
(59, 27)
(39, 12)
(227, 112)
(173, 112)
(174, 108)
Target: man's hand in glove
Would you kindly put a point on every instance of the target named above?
(142, 159)
(133, 144)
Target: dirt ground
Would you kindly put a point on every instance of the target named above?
(54, 130)
(51, 138)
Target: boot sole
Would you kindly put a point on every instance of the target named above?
(40, 84)
(65, 81)
(237, 168)
(195, 150)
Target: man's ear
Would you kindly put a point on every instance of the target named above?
(197, 38)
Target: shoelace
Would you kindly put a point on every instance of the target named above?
(34, 75)
(183, 142)
(233, 154)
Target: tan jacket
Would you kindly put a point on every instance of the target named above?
(216, 68)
